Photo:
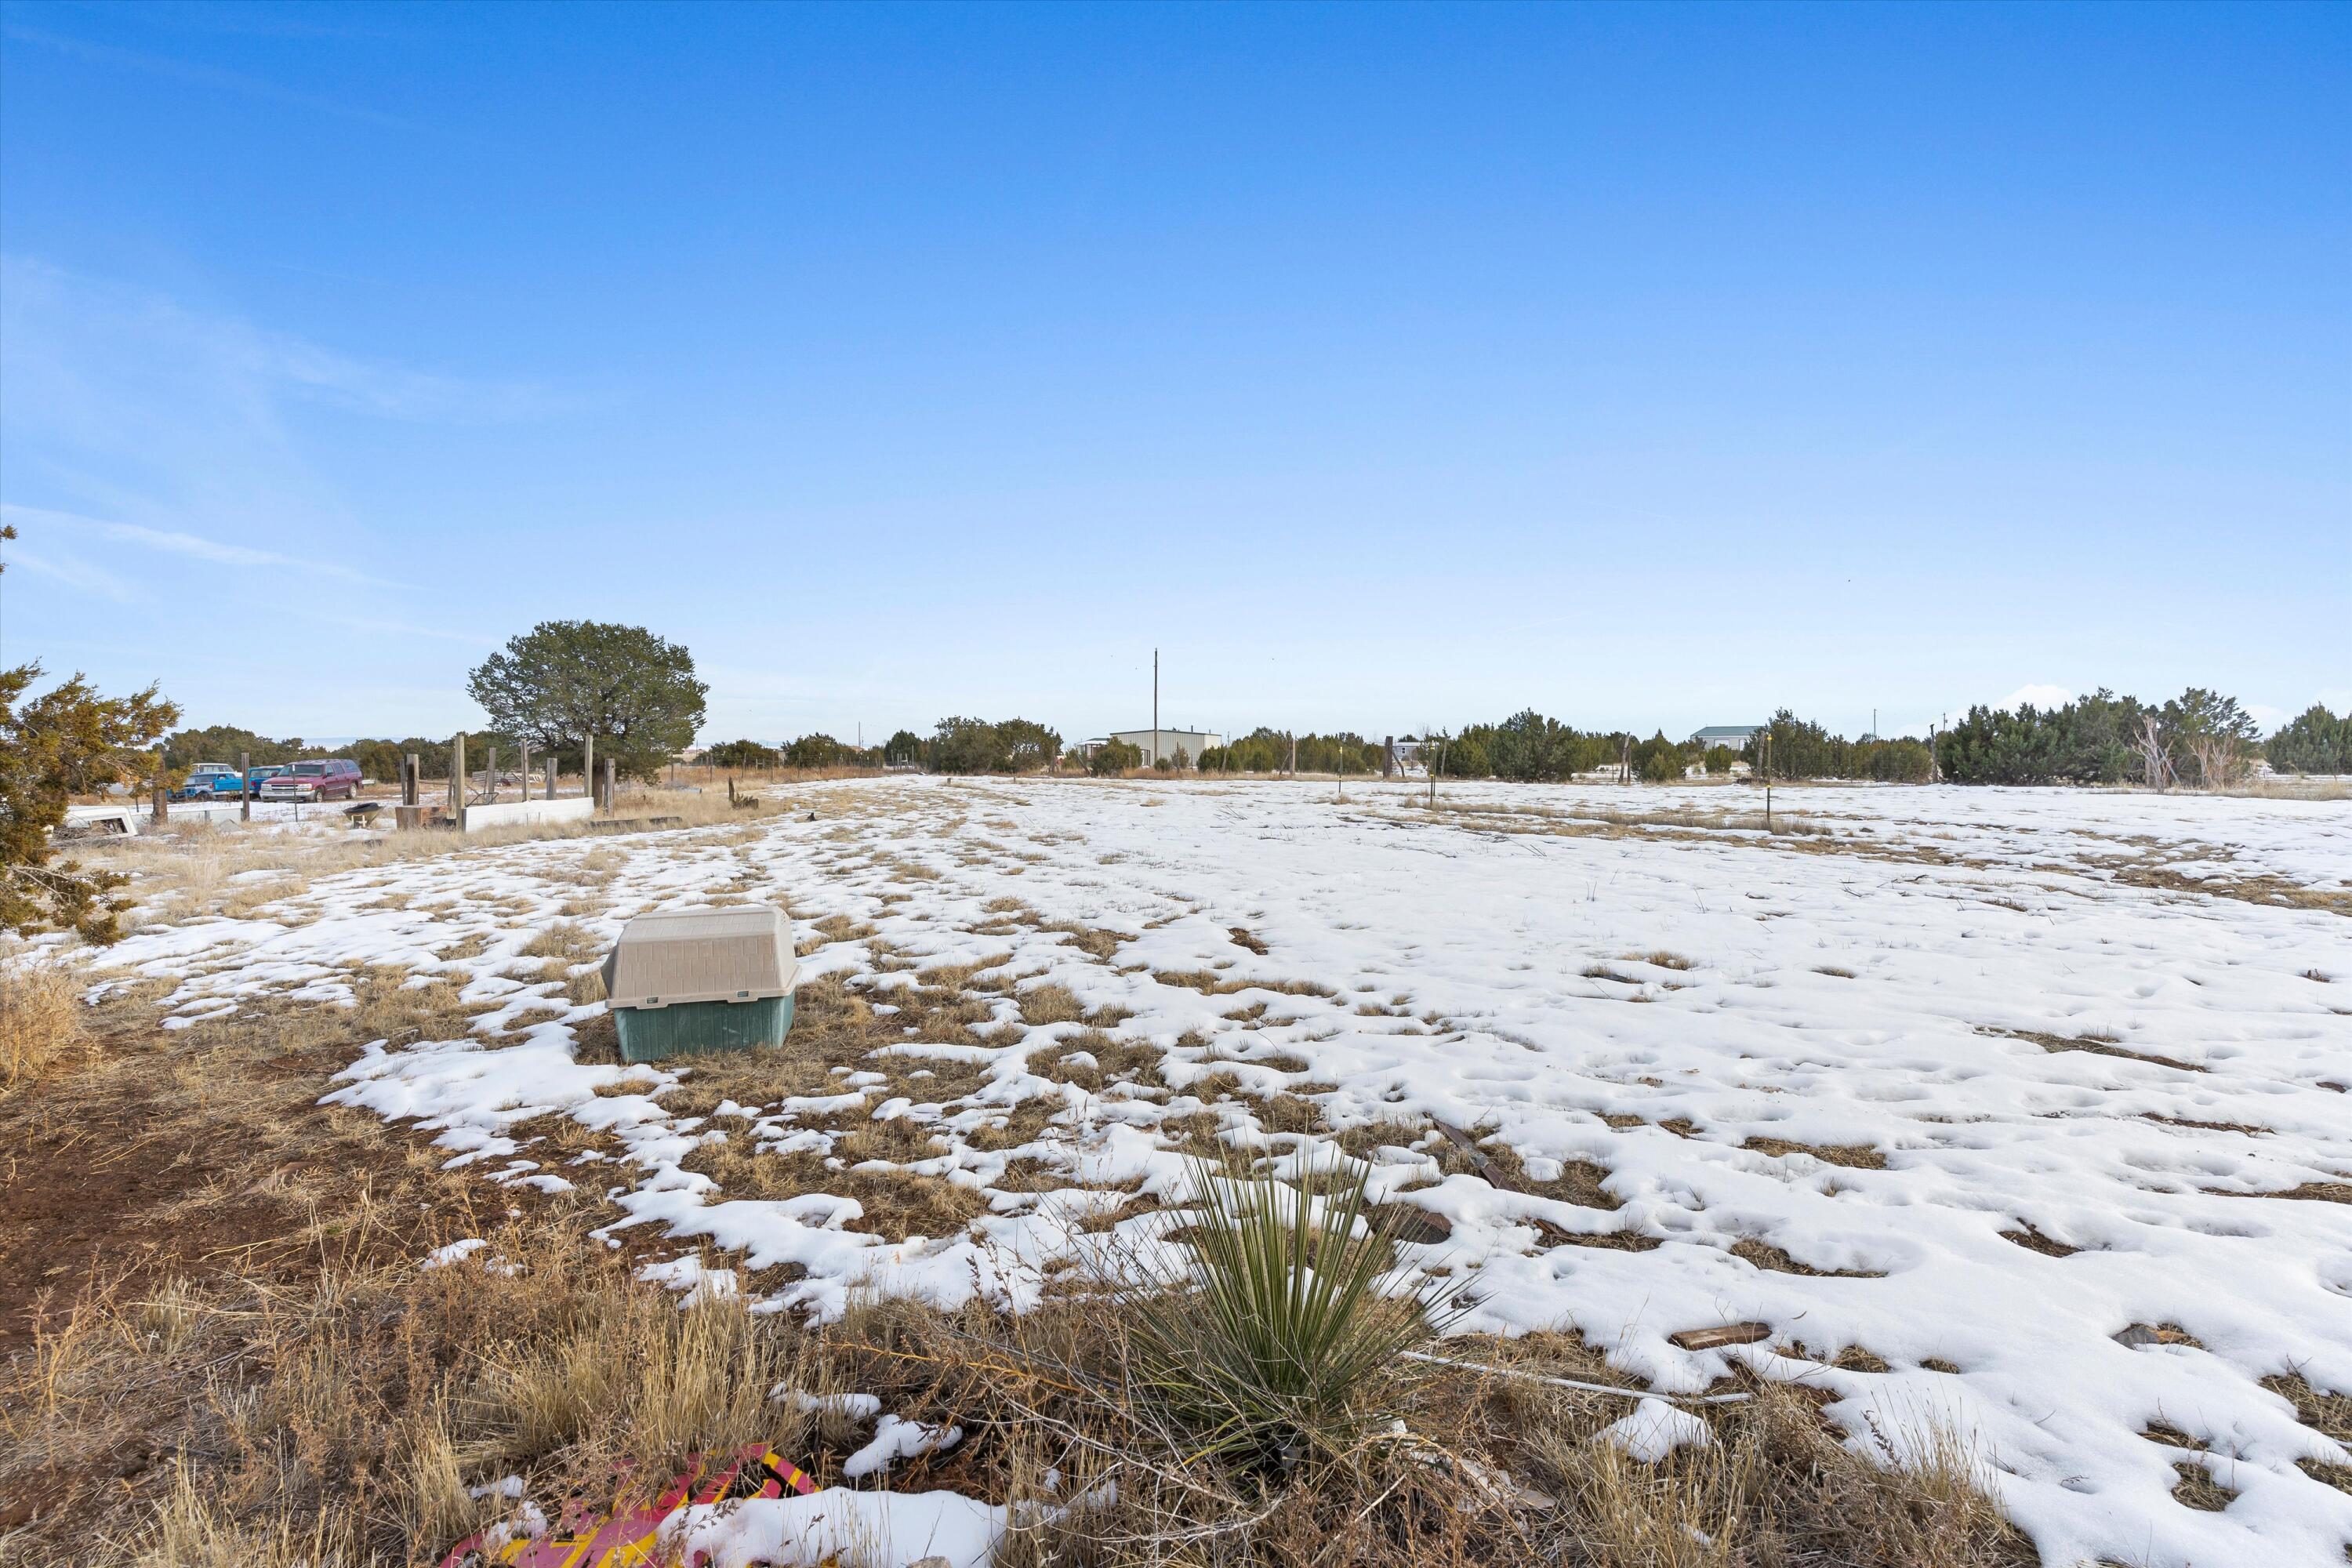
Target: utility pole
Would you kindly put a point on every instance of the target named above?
(1155, 707)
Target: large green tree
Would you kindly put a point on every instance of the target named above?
(969, 746)
(2212, 739)
(632, 692)
(1114, 757)
(1030, 744)
(817, 750)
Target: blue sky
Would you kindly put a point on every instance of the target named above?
(1384, 366)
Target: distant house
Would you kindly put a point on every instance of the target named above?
(1732, 735)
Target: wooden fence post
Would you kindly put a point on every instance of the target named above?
(522, 769)
(610, 764)
(492, 769)
(588, 767)
(245, 786)
(457, 774)
(551, 775)
(162, 801)
(412, 787)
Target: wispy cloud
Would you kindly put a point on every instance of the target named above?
(205, 76)
(137, 423)
(69, 327)
(172, 542)
(72, 571)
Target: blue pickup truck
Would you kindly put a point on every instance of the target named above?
(210, 781)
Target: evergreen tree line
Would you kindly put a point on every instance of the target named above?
(1265, 751)
(1801, 749)
(2316, 742)
(817, 750)
(956, 745)
(2200, 739)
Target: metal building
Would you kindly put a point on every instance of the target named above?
(1157, 743)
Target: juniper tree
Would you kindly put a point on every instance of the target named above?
(69, 740)
(630, 691)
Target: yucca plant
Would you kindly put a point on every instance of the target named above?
(1281, 1339)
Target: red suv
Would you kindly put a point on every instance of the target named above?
(337, 778)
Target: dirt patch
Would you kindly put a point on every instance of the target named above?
(1852, 1156)
(1776, 1260)
(1610, 1240)
(2096, 1044)
(167, 1153)
(2330, 1415)
(2196, 1489)
(1500, 1165)
(1208, 983)
(2310, 1192)
(2034, 1240)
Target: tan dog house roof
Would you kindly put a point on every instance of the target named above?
(740, 953)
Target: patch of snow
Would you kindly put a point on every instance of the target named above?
(896, 1438)
(856, 1406)
(1655, 1429)
(836, 1523)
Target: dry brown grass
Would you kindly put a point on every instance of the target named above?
(41, 1020)
(1489, 1468)
(1852, 1156)
(2289, 787)
(235, 1360)
(566, 939)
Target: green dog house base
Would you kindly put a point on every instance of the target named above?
(697, 1028)
(691, 982)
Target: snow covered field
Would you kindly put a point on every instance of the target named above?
(1949, 1088)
